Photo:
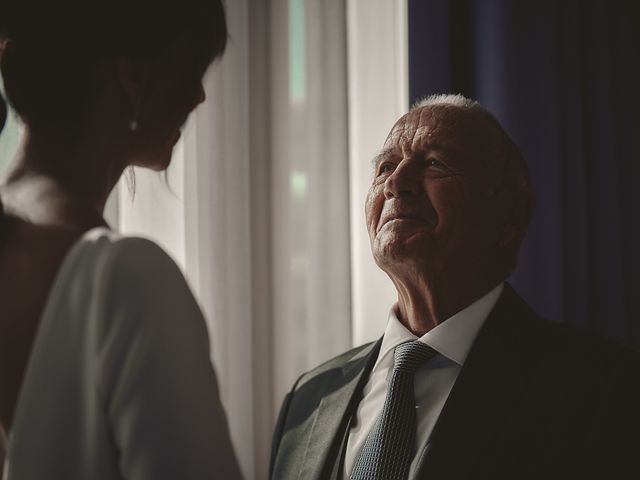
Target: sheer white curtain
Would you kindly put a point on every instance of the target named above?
(378, 96)
(310, 203)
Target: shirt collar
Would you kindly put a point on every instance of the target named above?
(452, 338)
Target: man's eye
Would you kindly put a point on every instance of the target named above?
(386, 168)
(432, 162)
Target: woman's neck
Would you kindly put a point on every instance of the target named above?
(54, 183)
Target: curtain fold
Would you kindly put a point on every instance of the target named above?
(309, 185)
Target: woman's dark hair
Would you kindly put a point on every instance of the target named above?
(50, 51)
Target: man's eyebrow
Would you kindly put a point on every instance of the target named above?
(382, 154)
(388, 152)
(436, 147)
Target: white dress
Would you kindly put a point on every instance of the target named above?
(119, 384)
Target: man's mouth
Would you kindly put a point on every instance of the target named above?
(403, 218)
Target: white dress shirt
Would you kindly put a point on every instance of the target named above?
(433, 381)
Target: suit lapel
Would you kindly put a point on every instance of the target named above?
(489, 387)
(327, 434)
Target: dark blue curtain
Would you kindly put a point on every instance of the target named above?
(563, 77)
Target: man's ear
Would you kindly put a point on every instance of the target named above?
(133, 81)
(508, 235)
(517, 212)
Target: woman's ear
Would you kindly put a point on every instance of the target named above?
(133, 81)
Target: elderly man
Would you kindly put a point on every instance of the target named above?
(467, 381)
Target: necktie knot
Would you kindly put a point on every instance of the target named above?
(410, 355)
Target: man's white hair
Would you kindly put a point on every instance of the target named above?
(455, 100)
(460, 101)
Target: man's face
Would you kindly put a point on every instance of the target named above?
(430, 206)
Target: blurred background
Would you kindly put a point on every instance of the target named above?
(264, 205)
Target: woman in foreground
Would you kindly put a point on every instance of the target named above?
(104, 354)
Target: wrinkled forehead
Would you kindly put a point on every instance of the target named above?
(448, 126)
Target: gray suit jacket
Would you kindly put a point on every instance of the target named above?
(535, 399)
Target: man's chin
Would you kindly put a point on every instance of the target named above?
(411, 251)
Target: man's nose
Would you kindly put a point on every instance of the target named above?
(402, 182)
